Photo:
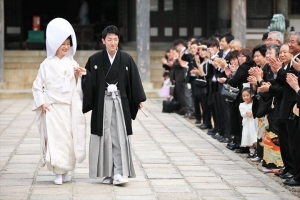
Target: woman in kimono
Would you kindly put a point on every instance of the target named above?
(57, 102)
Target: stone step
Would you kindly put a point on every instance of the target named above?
(21, 67)
(81, 62)
(79, 53)
(26, 93)
(23, 78)
(15, 94)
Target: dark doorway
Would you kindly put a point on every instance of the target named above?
(19, 14)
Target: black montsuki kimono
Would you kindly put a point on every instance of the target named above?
(125, 72)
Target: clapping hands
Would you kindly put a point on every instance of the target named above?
(292, 80)
(252, 80)
(275, 64)
(257, 73)
(264, 88)
(296, 64)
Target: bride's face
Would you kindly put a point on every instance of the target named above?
(63, 49)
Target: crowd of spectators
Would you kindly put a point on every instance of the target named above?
(263, 120)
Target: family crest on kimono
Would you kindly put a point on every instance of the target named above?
(113, 91)
(57, 102)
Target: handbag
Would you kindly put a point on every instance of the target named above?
(200, 88)
(200, 82)
(170, 106)
(261, 107)
(230, 92)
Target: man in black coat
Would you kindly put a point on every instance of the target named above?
(113, 91)
(287, 121)
(223, 103)
(180, 67)
(213, 93)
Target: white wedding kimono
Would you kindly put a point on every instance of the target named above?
(63, 128)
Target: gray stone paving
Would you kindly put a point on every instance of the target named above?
(172, 157)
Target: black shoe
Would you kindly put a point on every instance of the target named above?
(198, 121)
(204, 126)
(281, 173)
(242, 150)
(251, 155)
(224, 140)
(234, 147)
(231, 144)
(220, 138)
(191, 116)
(211, 130)
(215, 136)
(210, 133)
(286, 176)
(180, 112)
(291, 182)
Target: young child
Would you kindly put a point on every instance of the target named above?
(249, 133)
(165, 90)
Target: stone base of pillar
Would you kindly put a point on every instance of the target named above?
(2, 85)
(147, 85)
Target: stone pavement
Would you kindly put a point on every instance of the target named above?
(173, 160)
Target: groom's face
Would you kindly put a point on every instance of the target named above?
(111, 42)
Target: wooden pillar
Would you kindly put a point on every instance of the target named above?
(239, 20)
(143, 38)
(2, 28)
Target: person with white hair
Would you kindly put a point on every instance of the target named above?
(235, 45)
(274, 37)
(57, 96)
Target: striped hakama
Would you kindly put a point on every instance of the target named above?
(110, 154)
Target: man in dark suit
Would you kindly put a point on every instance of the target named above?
(180, 70)
(287, 122)
(212, 75)
(294, 82)
(223, 103)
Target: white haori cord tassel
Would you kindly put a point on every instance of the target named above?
(112, 88)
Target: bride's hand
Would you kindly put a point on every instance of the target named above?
(80, 70)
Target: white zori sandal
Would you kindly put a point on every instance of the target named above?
(119, 180)
(65, 177)
(58, 179)
(107, 180)
(61, 178)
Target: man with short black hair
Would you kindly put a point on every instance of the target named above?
(224, 104)
(183, 93)
(113, 91)
(212, 75)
